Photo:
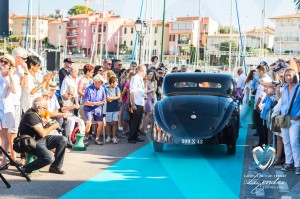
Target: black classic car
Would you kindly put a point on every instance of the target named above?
(197, 108)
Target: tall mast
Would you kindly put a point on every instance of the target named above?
(230, 42)
(102, 30)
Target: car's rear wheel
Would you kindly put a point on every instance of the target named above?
(231, 144)
(158, 147)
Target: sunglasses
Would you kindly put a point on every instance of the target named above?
(25, 59)
(5, 62)
(160, 73)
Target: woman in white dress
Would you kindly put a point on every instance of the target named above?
(7, 64)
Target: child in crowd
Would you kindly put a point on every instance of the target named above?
(113, 95)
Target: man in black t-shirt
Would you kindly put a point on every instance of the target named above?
(31, 124)
(65, 71)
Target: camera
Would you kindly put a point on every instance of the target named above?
(60, 130)
(275, 83)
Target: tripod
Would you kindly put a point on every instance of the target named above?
(19, 169)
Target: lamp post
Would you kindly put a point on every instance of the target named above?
(141, 30)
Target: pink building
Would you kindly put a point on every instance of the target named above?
(57, 37)
(82, 32)
(184, 32)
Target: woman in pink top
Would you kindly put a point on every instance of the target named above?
(85, 81)
(126, 104)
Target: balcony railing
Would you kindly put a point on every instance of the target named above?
(72, 44)
(72, 34)
(286, 39)
(183, 42)
(72, 25)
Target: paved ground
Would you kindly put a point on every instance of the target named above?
(269, 183)
(79, 167)
(178, 172)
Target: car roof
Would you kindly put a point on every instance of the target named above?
(225, 80)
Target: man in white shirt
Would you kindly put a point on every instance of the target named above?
(70, 80)
(261, 129)
(240, 84)
(137, 100)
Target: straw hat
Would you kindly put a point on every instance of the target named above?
(9, 58)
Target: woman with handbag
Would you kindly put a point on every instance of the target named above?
(151, 87)
(290, 108)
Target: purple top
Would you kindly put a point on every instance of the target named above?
(93, 94)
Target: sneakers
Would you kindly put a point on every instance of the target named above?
(287, 167)
(115, 140)
(108, 139)
(98, 142)
(56, 170)
(86, 142)
(91, 137)
(124, 135)
(297, 171)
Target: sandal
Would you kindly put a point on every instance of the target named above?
(4, 167)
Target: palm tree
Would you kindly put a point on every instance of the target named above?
(297, 2)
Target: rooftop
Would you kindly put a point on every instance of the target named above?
(291, 16)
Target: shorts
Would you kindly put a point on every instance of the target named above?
(11, 119)
(112, 116)
(126, 116)
(97, 114)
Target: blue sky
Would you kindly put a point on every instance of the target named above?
(218, 10)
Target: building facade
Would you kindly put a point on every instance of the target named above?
(58, 33)
(35, 30)
(152, 41)
(84, 32)
(187, 32)
(287, 34)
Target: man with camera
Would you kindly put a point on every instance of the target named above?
(31, 124)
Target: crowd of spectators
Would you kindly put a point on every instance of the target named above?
(116, 99)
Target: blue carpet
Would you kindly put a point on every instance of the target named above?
(178, 172)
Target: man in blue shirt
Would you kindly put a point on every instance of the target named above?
(94, 99)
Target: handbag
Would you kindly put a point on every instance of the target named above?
(24, 143)
(284, 121)
(274, 126)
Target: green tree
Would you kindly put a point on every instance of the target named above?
(192, 53)
(297, 3)
(78, 9)
(224, 46)
(226, 30)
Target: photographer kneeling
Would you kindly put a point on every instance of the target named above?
(31, 124)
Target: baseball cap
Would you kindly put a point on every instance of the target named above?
(69, 60)
(280, 66)
(264, 64)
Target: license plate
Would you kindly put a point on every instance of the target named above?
(191, 141)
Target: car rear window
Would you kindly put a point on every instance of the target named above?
(195, 85)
